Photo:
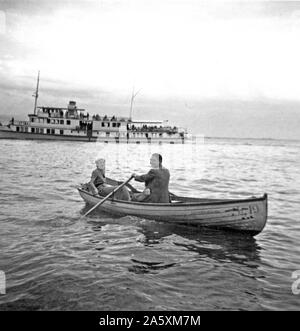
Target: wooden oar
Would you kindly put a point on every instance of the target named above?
(134, 190)
(115, 182)
(108, 196)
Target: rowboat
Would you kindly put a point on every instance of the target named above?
(245, 215)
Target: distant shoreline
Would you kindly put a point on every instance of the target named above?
(236, 138)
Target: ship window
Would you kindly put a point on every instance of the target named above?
(102, 124)
(114, 125)
(108, 125)
(32, 119)
(17, 129)
(48, 131)
(61, 131)
(32, 130)
(119, 124)
(68, 122)
(52, 131)
(61, 121)
(48, 120)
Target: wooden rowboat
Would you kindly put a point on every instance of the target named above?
(245, 215)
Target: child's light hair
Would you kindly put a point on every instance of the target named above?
(100, 163)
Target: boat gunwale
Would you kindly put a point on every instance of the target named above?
(181, 204)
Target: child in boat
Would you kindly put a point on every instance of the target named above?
(99, 186)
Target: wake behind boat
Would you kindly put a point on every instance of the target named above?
(245, 215)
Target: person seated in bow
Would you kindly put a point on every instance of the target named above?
(99, 185)
(156, 183)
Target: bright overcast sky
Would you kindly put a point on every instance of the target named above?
(195, 50)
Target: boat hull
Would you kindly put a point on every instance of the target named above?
(9, 134)
(248, 215)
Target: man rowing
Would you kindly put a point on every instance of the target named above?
(156, 182)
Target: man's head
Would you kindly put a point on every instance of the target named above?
(100, 163)
(156, 161)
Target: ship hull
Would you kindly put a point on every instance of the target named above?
(6, 133)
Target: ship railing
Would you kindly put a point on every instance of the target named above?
(21, 123)
(56, 116)
(77, 117)
(156, 130)
(71, 117)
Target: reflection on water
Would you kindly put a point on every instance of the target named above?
(214, 244)
(55, 259)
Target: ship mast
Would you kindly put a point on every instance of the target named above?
(131, 103)
(36, 94)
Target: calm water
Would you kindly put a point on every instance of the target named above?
(53, 259)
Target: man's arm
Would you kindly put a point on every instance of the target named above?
(145, 178)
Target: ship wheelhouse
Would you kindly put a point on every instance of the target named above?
(57, 121)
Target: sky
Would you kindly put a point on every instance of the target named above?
(218, 68)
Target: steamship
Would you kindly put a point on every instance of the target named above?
(75, 124)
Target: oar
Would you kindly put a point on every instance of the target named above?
(134, 190)
(108, 196)
(115, 182)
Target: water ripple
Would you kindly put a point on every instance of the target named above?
(56, 260)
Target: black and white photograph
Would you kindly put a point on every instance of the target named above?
(149, 157)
